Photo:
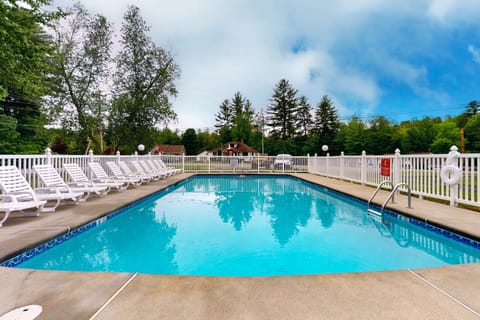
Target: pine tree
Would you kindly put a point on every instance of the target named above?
(282, 111)
(326, 123)
(304, 117)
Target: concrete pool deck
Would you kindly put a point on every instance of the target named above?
(449, 292)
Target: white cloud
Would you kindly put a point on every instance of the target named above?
(475, 52)
(244, 45)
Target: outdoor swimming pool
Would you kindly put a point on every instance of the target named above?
(233, 225)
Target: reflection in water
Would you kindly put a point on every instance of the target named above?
(252, 225)
(110, 250)
(287, 202)
(407, 235)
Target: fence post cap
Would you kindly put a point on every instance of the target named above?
(454, 148)
(397, 151)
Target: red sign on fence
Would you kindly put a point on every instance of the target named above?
(385, 167)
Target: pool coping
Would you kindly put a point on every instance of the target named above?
(164, 296)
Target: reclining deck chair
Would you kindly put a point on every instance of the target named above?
(119, 175)
(9, 203)
(16, 188)
(78, 177)
(51, 179)
(142, 168)
(164, 166)
(126, 170)
(102, 176)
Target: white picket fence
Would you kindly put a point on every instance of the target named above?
(421, 173)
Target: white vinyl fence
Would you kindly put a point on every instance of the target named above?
(421, 173)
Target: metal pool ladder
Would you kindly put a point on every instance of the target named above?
(390, 196)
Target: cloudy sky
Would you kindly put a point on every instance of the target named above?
(403, 59)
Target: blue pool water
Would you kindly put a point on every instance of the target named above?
(252, 226)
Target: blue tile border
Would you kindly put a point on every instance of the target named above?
(450, 234)
(28, 254)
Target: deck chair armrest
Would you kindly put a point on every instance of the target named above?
(11, 198)
(51, 189)
(81, 184)
(21, 195)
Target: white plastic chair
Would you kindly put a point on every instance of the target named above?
(119, 175)
(16, 188)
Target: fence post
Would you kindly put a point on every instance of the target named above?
(396, 168)
(342, 165)
(48, 156)
(363, 168)
(327, 162)
(308, 163)
(118, 156)
(90, 155)
(209, 165)
(183, 162)
(452, 175)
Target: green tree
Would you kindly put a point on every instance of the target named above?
(472, 134)
(420, 135)
(282, 111)
(326, 124)
(24, 48)
(351, 137)
(224, 121)
(144, 83)
(447, 135)
(81, 65)
(8, 125)
(304, 117)
(234, 120)
(380, 136)
(207, 140)
(190, 141)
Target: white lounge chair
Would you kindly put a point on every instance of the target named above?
(126, 170)
(158, 165)
(163, 165)
(119, 175)
(79, 178)
(51, 179)
(102, 176)
(157, 168)
(145, 168)
(9, 203)
(14, 184)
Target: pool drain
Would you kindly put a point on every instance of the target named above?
(23, 313)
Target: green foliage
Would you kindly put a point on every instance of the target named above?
(189, 140)
(447, 135)
(304, 117)
(9, 134)
(472, 134)
(326, 125)
(282, 111)
(352, 137)
(143, 84)
(80, 70)
(380, 137)
(24, 48)
(234, 120)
